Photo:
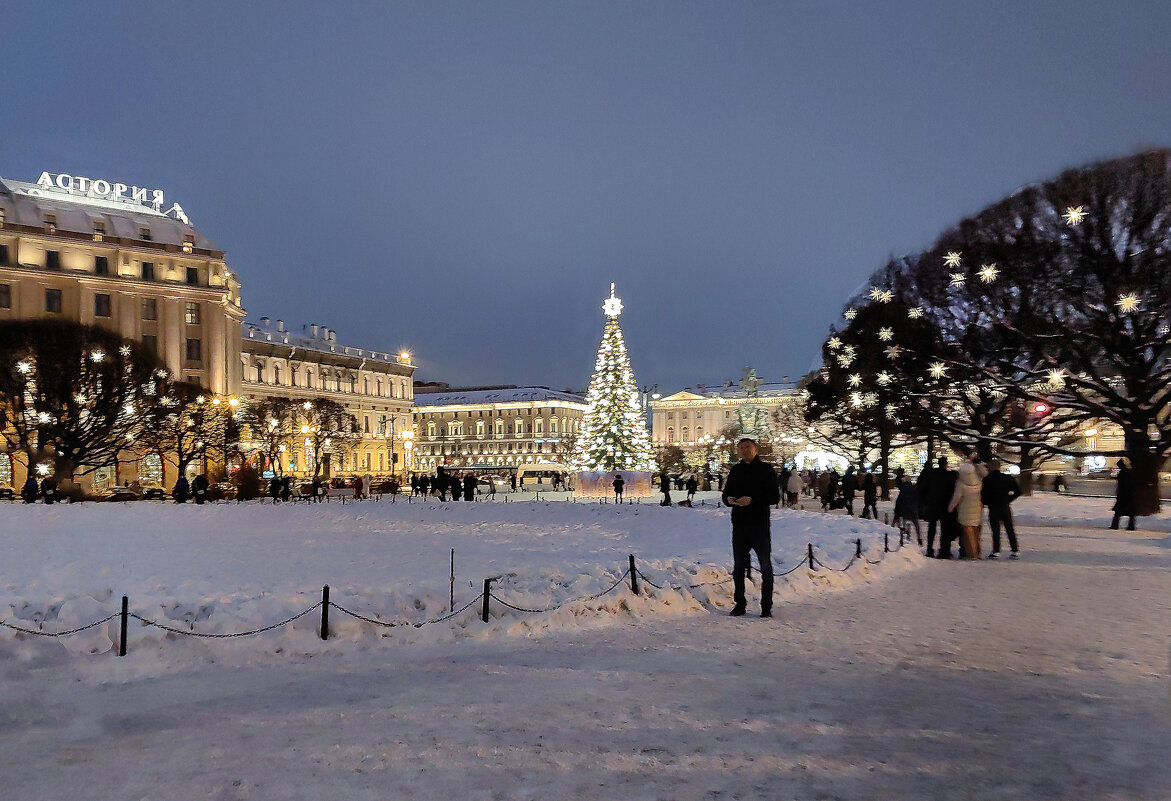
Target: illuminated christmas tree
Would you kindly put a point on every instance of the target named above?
(613, 432)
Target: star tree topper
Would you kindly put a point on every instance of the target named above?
(613, 304)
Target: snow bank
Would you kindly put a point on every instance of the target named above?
(225, 568)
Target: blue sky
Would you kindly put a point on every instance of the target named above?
(465, 179)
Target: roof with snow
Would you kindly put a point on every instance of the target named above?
(26, 204)
(701, 391)
(512, 395)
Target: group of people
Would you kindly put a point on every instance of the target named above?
(443, 483)
(953, 501)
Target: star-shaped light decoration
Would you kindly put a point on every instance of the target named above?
(1074, 215)
(957, 279)
(834, 343)
(883, 378)
(844, 359)
(886, 334)
(96, 356)
(855, 380)
(891, 409)
(915, 312)
(1056, 378)
(988, 273)
(613, 304)
(850, 314)
(850, 350)
(893, 352)
(870, 399)
(881, 295)
(24, 367)
(855, 399)
(1127, 303)
(937, 370)
(952, 259)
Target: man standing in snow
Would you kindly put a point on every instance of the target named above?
(998, 491)
(619, 484)
(750, 490)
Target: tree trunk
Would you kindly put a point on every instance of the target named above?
(1145, 463)
(884, 464)
(930, 450)
(1027, 465)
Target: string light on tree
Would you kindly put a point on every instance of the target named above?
(613, 432)
(1127, 303)
(881, 295)
(851, 314)
(952, 259)
(1074, 215)
(937, 370)
(855, 380)
(915, 312)
(886, 334)
(988, 273)
(834, 343)
(1056, 378)
(957, 279)
(883, 378)
(893, 352)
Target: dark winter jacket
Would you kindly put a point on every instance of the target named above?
(1124, 495)
(49, 490)
(619, 484)
(939, 486)
(181, 490)
(758, 481)
(907, 504)
(849, 485)
(29, 491)
(199, 488)
(999, 490)
(869, 489)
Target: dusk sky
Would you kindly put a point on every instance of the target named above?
(465, 179)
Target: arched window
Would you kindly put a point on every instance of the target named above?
(539, 425)
(670, 436)
(378, 386)
(686, 438)
(276, 374)
(518, 426)
(365, 386)
(698, 433)
(259, 374)
(455, 428)
(431, 429)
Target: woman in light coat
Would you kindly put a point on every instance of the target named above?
(965, 502)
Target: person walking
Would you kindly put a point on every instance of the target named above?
(869, 496)
(179, 492)
(907, 505)
(30, 492)
(618, 484)
(849, 488)
(665, 488)
(1124, 495)
(750, 490)
(512, 481)
(199, 489)
(793, 488)
(469, 487)
(999, 490)
(965, 502)
(692, 486)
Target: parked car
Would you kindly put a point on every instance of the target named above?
(117, 495)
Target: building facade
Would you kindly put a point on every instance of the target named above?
(105, 254)
(374, 386)
(693, 417)
(501, 427)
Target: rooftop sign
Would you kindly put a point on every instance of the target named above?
(113, 191)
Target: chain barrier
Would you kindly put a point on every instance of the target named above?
(400, 623)
(212, 636)
(8, 625)
(593, 597)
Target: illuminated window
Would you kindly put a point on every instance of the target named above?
(150, 469)
(430, 429)
(188, 243)
(553, 426)
(191, 314)
(670, 436)
(686, 436)
(500, 428)
(479, 428)
(539, 425)
(99, 230)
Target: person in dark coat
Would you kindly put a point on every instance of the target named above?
(181, 490)
(29, 492)
(692, 487)
(936, 485)
(199, 489)
(439, 484)
(907, 504)
(424, 485)
(750, 490)
(469, 487)
(869, 495)
(849, 487)
(512, 481)
(1124, 495)
(665, 488)
(619, 484)
(316, 490)
(49, 490)
(274, 489)
(997, 492)
(287, 489)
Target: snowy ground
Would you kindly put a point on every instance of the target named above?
(1045, 678)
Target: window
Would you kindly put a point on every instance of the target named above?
(52, 260)
(539, 426)
(192, 313)
(3, 254)
(259, 374)
(365, 386)
(5, 296)
(518, 427)
(150, 309)
(1, 216)
(670, 415)
(276, 374)
(670, 435)
(151, 343)
(53, 300)
(194, 350)
(382, 424)
(365, 424)
(479, 428)
(193, 276)
(553, 426)
(101, 265)
(101, 305)
(99, 230)
(188, 243)
(378, 384)
(144, 234)
(500, 428)
(148, 271)
(686, 437)
(50, 223)
(430, 429)
(194, 379)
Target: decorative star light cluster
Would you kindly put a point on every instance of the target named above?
(1074, 215)
(988, 273)
(1127, 303)
(613, 433)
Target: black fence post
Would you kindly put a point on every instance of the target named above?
(811, 556)
(885, 542)
(633, 576)
(325, 612)
(487, 589)
(451, 583)
(122, 634)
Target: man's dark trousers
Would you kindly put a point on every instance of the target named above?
(996, 516)
(745, 540)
